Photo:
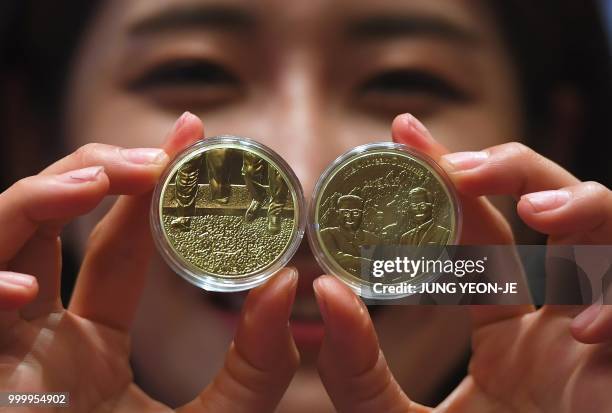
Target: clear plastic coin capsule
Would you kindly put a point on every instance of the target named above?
(375, 201)
(227, 214)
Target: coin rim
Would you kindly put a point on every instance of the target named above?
(218, 282)
(321, 253)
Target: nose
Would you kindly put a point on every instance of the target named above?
(302, 126)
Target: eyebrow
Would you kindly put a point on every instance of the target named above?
(386, 26)
(189, 17)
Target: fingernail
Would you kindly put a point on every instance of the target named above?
(285, 281)
(83, 175)
(417, 125)
(586, 318)
(178, 124)
(290, 279)
(317, 286)
(145, 156)
(464, 161)
(17, 279)
(180, 121)
(292, 272)
(547, 200)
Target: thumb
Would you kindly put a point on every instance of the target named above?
(262, 359)
(351, 364)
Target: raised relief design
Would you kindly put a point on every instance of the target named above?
(228, 211)
(381, 199)
(428, 231)
(345, 240)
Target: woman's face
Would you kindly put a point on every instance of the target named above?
(310, 80)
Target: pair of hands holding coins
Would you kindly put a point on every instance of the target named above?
(555, 359)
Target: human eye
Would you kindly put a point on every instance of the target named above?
(416, 91)
(194, 83)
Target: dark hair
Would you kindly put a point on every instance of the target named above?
(560, 48)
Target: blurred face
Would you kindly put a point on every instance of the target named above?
(421, 209)
(311, 80)
(351, 218)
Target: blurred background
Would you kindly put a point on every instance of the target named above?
(311, 80)
(556, 42)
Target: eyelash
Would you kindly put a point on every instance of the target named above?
(207, 84)
(185, 73)
(406, 81)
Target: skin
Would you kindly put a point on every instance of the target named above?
(296, 96)
(39, 334)
(287, 94)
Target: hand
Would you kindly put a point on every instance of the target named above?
(522, 359)
(84, 350)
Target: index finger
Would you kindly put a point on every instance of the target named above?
(130, 170)
(483, 224)
(114, 268)
(36, 200)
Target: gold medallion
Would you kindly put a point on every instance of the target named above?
(380, 194)
(227, 214)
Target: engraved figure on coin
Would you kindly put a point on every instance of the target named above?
(186, 190)
(345, 241)
(256, 171)
(218, 174)
(203, 210)
(386, 196)
(392, 233)
(427, 231)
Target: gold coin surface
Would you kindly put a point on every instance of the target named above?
(381, 194)
(228, 213)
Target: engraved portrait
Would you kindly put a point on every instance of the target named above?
(427, 231)
(385, 199)
(345, 241)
